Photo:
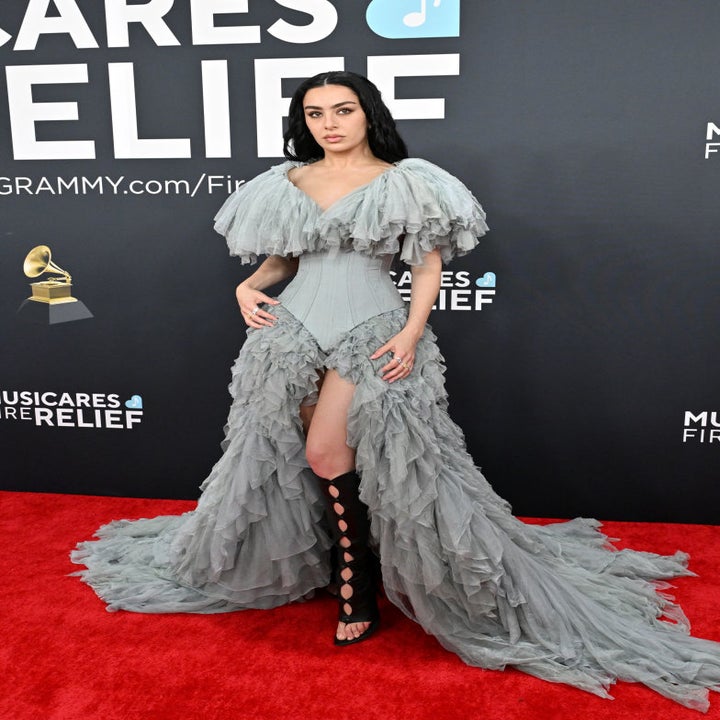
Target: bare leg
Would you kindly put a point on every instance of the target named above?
(326, 449)
(329, 457)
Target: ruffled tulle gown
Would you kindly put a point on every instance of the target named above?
(556, 601)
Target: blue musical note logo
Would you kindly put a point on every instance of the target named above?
(488, 280)
(134, 403)
(414, 18)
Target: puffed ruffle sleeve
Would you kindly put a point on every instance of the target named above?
(425, 207)
(266, 216)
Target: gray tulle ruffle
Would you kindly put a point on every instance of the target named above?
(415, 201)
(556, 601)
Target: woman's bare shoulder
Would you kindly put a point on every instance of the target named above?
(296, 173)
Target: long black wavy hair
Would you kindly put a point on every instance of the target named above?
(384, 140)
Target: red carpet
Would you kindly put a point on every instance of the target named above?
(63, 657)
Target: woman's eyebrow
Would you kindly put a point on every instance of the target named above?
(332, 107)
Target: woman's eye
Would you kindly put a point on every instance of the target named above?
(314, 114)
(344, 111)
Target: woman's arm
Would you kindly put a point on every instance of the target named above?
(249, 292)
(423, 293)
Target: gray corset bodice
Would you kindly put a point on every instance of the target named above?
(334, 291)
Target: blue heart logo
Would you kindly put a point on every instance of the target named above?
(487, 280)
(414, 18)
(134, 403)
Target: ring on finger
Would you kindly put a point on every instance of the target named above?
(254, 311)
(398, 360)
(405, 365)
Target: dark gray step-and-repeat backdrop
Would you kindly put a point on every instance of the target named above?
(581, 336)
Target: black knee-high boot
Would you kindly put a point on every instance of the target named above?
(351, 524)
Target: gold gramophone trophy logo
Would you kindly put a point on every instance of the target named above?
(51, 301)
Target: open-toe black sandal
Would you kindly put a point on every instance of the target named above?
(358, 566)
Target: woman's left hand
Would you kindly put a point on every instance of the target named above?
(402, 347)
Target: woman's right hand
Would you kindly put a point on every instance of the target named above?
(249, 301)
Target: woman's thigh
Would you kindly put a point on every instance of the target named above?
(327, 450)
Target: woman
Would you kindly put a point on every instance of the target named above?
(338, 394)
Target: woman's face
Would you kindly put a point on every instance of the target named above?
(335, 118)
